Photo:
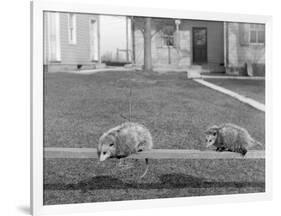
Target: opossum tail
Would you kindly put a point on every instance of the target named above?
(146, 168)
(258, 143)
(255, 143)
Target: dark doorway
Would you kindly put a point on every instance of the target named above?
(199, 36)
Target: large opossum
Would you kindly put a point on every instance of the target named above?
(124, 140)
(230, 137)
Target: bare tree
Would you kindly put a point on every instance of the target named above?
(147, 45)
(144, 24)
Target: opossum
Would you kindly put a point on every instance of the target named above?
(124, 140)
(230, 137)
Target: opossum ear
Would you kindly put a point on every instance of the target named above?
(113, 134)
(116, 137)
(212, 129)
(215, 127)
(117, 143)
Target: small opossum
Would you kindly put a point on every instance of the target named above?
(124, 140)
(230, 137)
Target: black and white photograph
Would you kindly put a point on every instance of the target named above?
(139, 107)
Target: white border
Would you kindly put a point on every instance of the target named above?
(37, 8)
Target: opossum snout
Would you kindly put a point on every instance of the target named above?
(102, 159)
(104, 156)
(208, 143)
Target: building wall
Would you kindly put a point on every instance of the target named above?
(71, 54)
(241, 51)
(215, 50)
(181, 55)
(78, 53)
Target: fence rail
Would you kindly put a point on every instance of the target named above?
(53, 152)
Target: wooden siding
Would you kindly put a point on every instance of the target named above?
(78, 53)
(72, 54)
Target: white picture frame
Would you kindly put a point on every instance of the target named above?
(37, 9)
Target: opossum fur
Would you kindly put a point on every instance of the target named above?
(230, 137)
(124, 140)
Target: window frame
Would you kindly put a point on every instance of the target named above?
(94, 57)
(164, 37)
(72, 28)
(257, 28)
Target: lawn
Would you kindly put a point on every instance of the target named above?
(254, 89)
(84, 180)
(78, 108)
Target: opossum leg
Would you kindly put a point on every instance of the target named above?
(242, 151)
(141, 146)
(146, 168)
(220, 149)
(124, 165)
(121, 162)
(121, 159)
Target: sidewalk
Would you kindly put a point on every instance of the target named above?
(253, 103)
(231, 77)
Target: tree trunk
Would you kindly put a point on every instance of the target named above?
(147, 45)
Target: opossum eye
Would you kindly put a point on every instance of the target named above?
(111, 144)
(214, 134)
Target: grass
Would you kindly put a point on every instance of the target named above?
(254, 89)
(78, 108)
(84, 180)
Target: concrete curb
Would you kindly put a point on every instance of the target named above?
(253, 103)
(56, 152)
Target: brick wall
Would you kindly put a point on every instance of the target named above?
(182, 55)
(241, 51)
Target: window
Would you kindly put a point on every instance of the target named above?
(167, 40)
(167, 36)
(257, 34)
(72, 28)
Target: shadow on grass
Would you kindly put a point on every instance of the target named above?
(167, 181)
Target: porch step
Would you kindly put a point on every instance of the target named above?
(194, 72)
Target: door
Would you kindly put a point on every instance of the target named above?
(199, 45)
(94, 42)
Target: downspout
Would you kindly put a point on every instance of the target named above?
(224, 44)
(99, 39)
(127, 40)
(225, 40)
(133, 41)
